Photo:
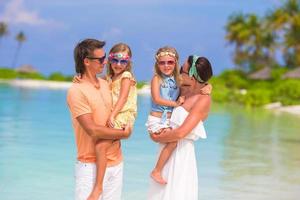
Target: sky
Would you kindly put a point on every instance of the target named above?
(54, 27)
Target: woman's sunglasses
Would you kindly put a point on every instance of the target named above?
(181, 71)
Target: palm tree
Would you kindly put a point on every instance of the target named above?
(236, 35)
(252, 40)
(20, 38)
(3, 29)
(286, 20)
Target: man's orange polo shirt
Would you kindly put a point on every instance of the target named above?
(83, 98)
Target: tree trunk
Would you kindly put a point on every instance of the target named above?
(14, 61)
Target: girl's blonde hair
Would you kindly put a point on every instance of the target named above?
(120, 47)
(170, 51)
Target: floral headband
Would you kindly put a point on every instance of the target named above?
(118, 56)
(193, 70)
(165, 53)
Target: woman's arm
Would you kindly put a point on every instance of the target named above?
(155, 85)
(198, 113)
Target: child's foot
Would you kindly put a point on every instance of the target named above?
(94, 195)
(157, 177)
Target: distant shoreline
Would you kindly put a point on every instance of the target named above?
(56, 85)
(277, 107)
(145, 90)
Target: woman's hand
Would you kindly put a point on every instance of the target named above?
(180, 100)
(156, 137)
(206, 90)
(76, 79)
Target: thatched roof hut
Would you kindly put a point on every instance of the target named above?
(295, 73)
(262, 74)
(26, 69)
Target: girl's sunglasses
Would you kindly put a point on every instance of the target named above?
(116, 61)
(169, 62)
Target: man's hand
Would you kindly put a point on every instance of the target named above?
(110, 122)
(127, 130)
(76, 79)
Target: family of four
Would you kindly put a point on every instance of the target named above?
(103, 111)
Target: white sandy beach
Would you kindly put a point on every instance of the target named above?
(63, 85)
(277, 107)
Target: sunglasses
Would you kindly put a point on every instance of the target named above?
(169, 62)
(101, 59)
(116, 61)
(181, 71)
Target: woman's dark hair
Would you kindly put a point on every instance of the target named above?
(84, 49)
(203, 67)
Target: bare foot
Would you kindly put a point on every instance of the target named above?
(157, 177)
(94, 195)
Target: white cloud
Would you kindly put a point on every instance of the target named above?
(16, 13)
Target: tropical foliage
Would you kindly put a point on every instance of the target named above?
(20, 37)
(256, 40)
(7, 73)
(233, 86)
(3, 29)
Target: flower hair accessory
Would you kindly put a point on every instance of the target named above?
(165, 53)
(118, 56)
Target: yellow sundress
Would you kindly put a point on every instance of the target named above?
(129, 110)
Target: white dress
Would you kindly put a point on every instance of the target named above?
(180, 171)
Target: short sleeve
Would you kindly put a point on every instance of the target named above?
(127, 74)
(77, 103)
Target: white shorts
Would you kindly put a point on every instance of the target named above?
(154, 124)
(85, 177)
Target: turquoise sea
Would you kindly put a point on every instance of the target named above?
(249, 153)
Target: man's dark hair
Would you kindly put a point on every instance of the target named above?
(85, 49)
(203, 67)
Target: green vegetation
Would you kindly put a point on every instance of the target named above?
(234, 87)
(257, 41)
(7, 73)
(141, 84)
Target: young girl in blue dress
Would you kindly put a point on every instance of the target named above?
(165, 96)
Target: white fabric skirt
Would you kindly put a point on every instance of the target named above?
(180, 171)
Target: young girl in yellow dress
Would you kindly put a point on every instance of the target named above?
(124, 96)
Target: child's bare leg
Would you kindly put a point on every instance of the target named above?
(101, 162)
(163, 158)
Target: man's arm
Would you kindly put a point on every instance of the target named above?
(102, 132)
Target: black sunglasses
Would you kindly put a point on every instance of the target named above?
(101, 59)
(181, 71)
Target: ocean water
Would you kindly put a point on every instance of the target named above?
(249, 154)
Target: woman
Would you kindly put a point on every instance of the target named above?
(180, 171)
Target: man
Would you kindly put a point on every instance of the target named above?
(90, 105)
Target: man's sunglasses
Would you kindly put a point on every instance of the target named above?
(101, 59)
(169, 62)
(116, 61)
